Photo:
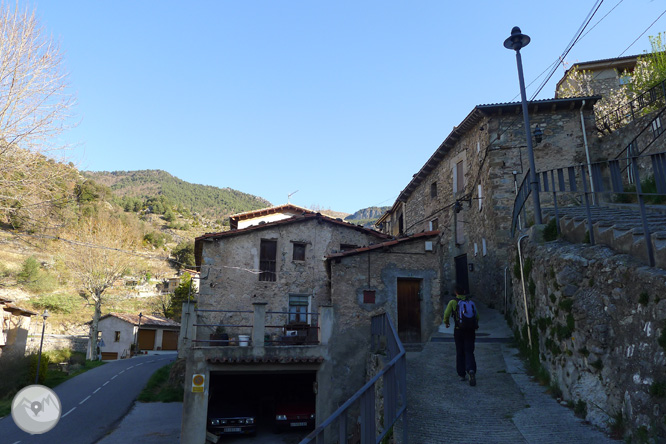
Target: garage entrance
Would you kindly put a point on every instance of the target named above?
(146, 339)
(277, 403)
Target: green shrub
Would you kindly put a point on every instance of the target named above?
(644, 298)
(550, 231)
(532, 288)
(43, 367)
(527, 266)
(571, 322)
(617, 426)
(57, 303)
(57, 356)
(34, 279)
(584, 351)
(553, 298)
(598, 364)
(563, 332)
(580, 409)
(566, 304)
(658, 389)
(662, 339)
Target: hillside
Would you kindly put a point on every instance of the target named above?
(215, 203)
(367, 216)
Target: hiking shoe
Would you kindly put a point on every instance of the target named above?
(472, 378)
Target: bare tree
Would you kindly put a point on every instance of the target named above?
(98, 253)
(34, 109)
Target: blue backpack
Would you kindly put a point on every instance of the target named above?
(466, 315)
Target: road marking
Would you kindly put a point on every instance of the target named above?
(130, 367)
(86, 398)
(98, 389)
(17, 442)
(72, 409)
(105, 383)
(121, 372)
(114, 377)
(139, 364)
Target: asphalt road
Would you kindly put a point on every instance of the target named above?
(92, 403)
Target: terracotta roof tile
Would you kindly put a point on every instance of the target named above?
(384, 244)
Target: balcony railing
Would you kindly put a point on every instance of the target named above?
(650, 100)
(256, 328)
(359, 420)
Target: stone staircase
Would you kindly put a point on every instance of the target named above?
(617, 226)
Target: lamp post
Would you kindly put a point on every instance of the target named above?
(516, 41)
(39, 357)
(137, 333)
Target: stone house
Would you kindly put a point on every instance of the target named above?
(14, 326)
(606, 74)
(295, 297)
(119, 331)
(466, 189)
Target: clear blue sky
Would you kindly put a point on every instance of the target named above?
(341, 100)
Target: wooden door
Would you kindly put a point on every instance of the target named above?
(462, 277)
(409, 310)
(169, 340)
(146, 339)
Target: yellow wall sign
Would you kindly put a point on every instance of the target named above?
(198, 383)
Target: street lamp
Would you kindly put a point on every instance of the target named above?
(39, 357)
(137, 333)
(516, 41)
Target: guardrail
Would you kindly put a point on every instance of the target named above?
(360, 411)
(654, 97)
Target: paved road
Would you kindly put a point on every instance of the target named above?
(93, 402)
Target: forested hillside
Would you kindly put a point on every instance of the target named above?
(134, 188)
(367, 216)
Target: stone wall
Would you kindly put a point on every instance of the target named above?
(597, 318)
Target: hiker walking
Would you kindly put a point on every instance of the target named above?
(466, 321)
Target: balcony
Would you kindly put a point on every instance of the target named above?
(255, 336)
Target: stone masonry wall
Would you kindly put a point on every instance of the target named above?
(230, 279)
(597, 318)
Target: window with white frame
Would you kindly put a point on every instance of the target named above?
(480, 193)
(657, 129)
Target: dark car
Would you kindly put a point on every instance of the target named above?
(230, 418)
(294, 413)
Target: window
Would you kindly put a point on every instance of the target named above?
(116, 337)
(433, 190)
(401, 225)
(299, 251)
(267, 258)
(480, 193)
(368, 296)
(347, 247)
(458, 178)
(298, 308)
(460, 229)
(434, 225)
(484, 248)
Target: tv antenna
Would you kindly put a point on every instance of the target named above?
(289, 195)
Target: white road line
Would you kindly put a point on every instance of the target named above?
(130, 367)
(98, 389)
(139, 364)
(121, 372)
(85, 399)
(114, 377)
(17, 442)
(71, 410)
(105, 383)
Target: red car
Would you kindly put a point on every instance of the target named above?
(293, 414)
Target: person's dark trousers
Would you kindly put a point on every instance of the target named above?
(464, 351)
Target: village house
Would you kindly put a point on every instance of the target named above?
(605, 75)
(123, 333)
(284, 310)
(467, 188)
(14, 326)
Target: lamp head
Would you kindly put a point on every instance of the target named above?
(45, 314)
(517, 40)
(538, 134)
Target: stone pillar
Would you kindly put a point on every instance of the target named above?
(188, 331)
(325, 323)
(195, 404)
(259, 324)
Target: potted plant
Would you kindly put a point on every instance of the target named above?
(219, 335)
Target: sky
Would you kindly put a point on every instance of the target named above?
(338, 102)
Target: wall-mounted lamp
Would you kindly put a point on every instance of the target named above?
(538, 134)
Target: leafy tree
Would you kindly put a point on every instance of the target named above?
(172, 304)
(97, 255)
(184, 254)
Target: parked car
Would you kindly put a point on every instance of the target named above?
(295, 413)
(230, 418)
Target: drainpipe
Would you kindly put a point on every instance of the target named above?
(515, 189)
(587, 154)
(505, 290)
(522, 278)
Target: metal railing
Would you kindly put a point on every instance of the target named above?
(361, 408)
(278, 327)
(654, 98)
